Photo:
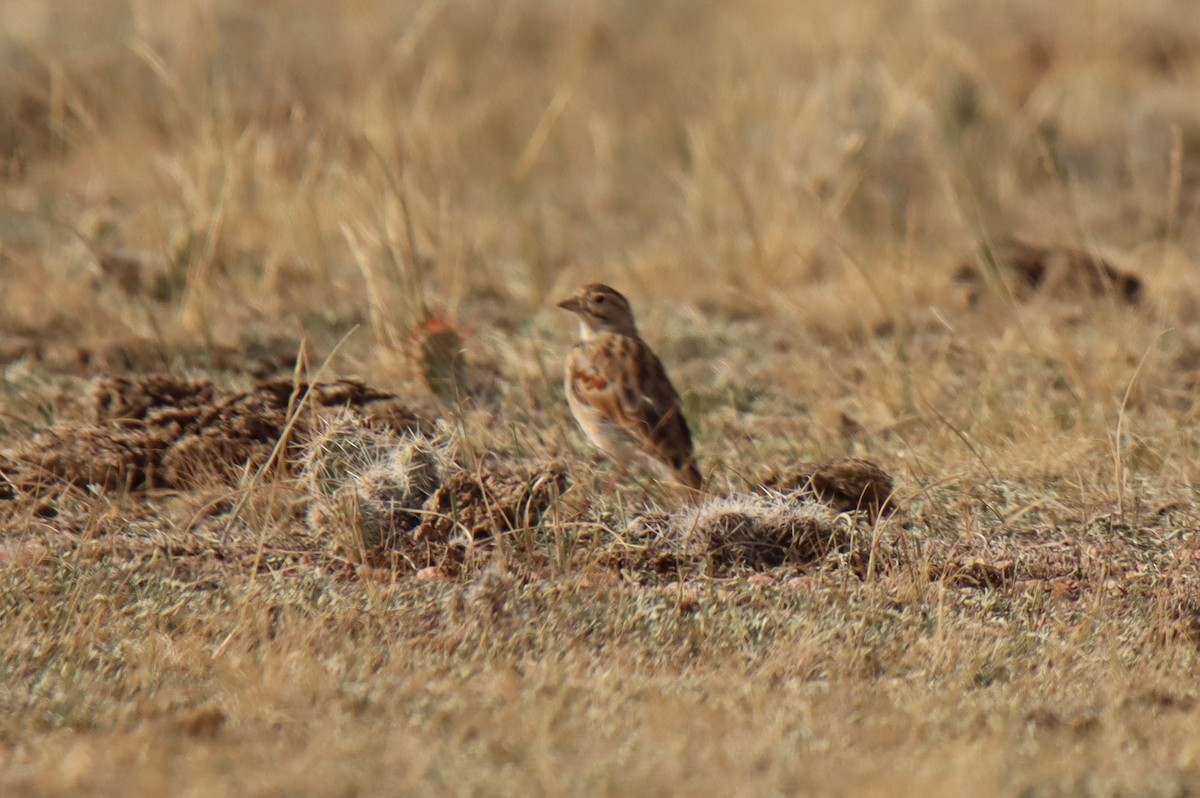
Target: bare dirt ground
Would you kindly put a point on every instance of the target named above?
(291, 502)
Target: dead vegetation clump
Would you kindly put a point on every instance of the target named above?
(135, 397)
(502, 498)
(795, 517)
(1063, 272)
(741, 533)
(161, 431)
(369, 483)
(374, 472)
(760, 533)
(473, 507)
(848, 485)
(383, 493)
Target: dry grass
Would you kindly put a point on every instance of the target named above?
(956, 239)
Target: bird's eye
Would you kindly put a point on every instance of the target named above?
(600, 300)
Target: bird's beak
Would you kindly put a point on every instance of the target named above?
(572, 303)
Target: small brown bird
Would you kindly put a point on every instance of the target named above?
(619, 391)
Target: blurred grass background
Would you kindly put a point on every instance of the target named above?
(787, 192)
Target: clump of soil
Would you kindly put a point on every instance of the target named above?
(1055, 270)
(161, 431)
(848, 485)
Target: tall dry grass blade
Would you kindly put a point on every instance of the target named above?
(1115, 439)
(273, 458)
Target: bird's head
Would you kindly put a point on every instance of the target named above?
(601, 309)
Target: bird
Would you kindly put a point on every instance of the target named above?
(619, 392)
